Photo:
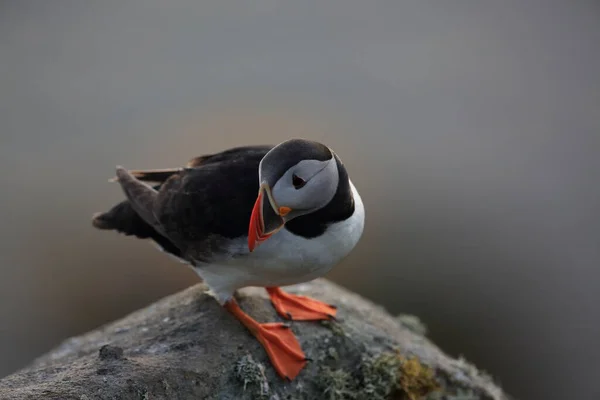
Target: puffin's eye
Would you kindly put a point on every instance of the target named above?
(297, 181)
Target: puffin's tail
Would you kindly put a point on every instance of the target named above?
(123, 219)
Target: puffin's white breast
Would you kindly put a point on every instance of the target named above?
(285, 258)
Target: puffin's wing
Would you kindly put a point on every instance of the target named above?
(234, 154)
(162, 174)
(205, 211)
(152, 175)
(141, 196)
(201, 203)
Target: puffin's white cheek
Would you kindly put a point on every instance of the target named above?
(287, 197)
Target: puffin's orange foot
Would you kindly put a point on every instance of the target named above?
(300, 308)
(283, 349)
(278, 340)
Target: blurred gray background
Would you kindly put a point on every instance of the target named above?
(471, 128)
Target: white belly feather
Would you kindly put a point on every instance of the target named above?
(286, 259)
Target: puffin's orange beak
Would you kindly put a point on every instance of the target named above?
(265, 220)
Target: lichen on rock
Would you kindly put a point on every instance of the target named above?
(252, 374)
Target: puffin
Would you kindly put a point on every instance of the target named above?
(259, 215)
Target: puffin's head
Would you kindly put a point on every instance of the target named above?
(296, 177)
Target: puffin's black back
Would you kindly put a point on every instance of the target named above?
(235, 169)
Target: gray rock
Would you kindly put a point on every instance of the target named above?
(187, 347)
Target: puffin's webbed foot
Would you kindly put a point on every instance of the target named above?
(300, 308)
(278, 340)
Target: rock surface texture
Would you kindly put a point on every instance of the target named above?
(187, 347)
